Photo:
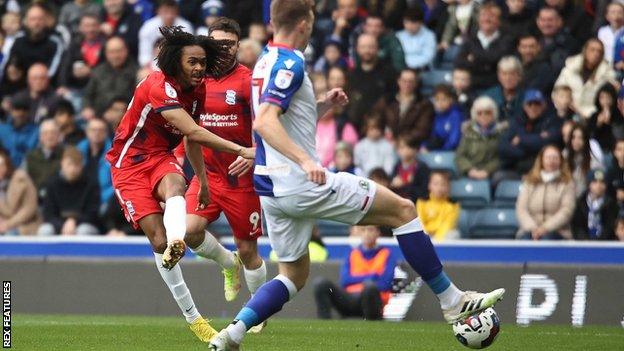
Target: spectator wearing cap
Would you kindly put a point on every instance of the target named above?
(167, 14)
(585, 73)
(607, 123)
(482, 50)
(19, 134)
(596, 211)
(43, 162)
(83, 55)
(119, 19)
(546, 201)
(111, 79)
(419, 43)
(391, 49)
(64, 116)
(210, 11)
(38, 43)
(537, 70)
(609, 32)
(73, 11)
(39, 94)
(332, 57)
(556, 43)
(477, 154)
(508, 92)
(528, 133)
(370, 80)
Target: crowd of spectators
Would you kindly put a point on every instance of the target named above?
(515, 89)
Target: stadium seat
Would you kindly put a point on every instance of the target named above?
(465, 221)
(471, 193)
(506, 193)
(494, 223)
(330, 228)
(429, 79)
(440, 161)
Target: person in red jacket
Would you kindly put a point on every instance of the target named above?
(365, 280)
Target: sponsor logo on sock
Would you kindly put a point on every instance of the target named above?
(189, 309)
(6, 314)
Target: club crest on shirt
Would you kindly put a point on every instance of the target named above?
(284, 78)
(230, 97)
(172, 93)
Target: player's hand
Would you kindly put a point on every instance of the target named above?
(248, 153)
(337, 97)
(315, 173)
(203, 198)
(240, 166)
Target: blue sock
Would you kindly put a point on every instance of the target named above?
(267, 301)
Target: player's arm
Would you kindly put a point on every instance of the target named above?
(194, 133)
(269, 127)
(196, 158)
(334, 97)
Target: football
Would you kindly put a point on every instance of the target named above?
(479, 330)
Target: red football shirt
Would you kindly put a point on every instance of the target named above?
(143, 131)
(228, 115)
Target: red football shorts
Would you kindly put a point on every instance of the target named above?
(135, 186)
(240, 206)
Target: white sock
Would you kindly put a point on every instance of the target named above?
(237, 331)
(175, 218)
(175, 282)
(450, 297)
(255, 277)
(211, 248)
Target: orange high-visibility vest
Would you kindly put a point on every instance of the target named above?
(359, 265)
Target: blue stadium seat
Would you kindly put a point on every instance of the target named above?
(465, 221)
(429, 79)
(471, 193)
(440, 161)
(330, 228)
(506, 193)
(494, 223)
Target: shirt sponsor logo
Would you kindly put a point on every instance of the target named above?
(215, 120)
(277, 93)
(230, 97)
(284, 78)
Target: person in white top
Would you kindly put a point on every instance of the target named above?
(168, 15)
(608, 33)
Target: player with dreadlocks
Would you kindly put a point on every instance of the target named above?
(144, 170)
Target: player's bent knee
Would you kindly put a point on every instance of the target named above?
(407, 211)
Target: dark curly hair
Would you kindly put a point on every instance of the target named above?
(175, 39)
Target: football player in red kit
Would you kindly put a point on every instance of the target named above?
(144, 170)
(228, 115)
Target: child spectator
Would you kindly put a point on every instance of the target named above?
(11, 27)
(461, 84)
(374, 151)
(331, 129)
(607, 33)
(64, 115)
(619, 228)
(438, 214)
(596, 211)
(615, 173)
(331, 58)
(71, 202)
(582, 155)
(18, 135)
(343, 160)
(607, 123)
(18, 200)
(379, 176)
(419, 43)
(477, 154)
(410, 177)
(447, 122)
(562, 100)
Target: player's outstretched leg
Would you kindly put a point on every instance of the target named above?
(153, 227)
(204, 244)
(268, 300)
(254, 270)
(171, 188)
(400, 214)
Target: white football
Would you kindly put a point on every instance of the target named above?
(479, 330)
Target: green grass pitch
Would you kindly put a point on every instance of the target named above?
(63, 332)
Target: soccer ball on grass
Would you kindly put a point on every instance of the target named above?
(479, 330)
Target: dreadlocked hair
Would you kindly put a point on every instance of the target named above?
(173, 43)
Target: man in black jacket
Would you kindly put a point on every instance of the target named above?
(119, 20)
(38, 43)
(71, 201)
(596, 211)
